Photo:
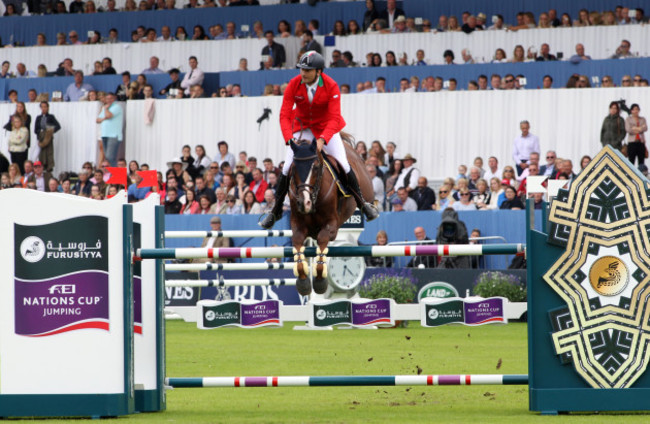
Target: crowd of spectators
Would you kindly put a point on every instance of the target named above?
(390, 20)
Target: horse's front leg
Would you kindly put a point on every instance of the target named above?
(300, 269)
(320, 264)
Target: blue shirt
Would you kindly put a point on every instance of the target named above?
(74, 93)
(112, 128)
(137, 193)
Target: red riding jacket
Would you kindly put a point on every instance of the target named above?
(322, 115)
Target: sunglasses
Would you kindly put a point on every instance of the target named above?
(508, 170)
(627, 80)
(230, 201)
(550, 157)
(443, 192)
(508, 81)
(607, 80)
(214, 167)
(637, 79)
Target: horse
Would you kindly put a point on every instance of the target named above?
(318, 208)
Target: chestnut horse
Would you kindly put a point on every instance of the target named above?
(318, 208)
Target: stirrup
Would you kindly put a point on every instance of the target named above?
(370, 211)
(267, 221)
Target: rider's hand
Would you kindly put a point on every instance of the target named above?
(291, 140)
(320, 143)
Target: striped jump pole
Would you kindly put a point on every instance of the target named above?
(262, 266)
(232, 283)
(334, 251)
(348, 380)
(228, 233)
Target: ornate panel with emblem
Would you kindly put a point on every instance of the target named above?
(589, 314)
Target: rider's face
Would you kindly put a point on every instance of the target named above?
(309, 75)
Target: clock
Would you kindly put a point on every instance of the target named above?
(345, 273)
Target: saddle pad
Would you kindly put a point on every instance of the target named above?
(337, 179)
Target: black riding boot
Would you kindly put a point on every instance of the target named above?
(368, 209)
(276, 213)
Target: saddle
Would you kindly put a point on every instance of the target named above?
(335, 169)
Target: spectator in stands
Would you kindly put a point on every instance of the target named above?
(45, 127)
(22, 72)
(74, 38)
(493, 170)
(224, 155)
(153, 66)
(583, 82)
(512, 200)
(269, 169)
(82, 186)
(399, 26)
(339, 29)
(233, 207)
(134, 193)
(65, 68)
(636, 126)
(465, 203)
(584, 161)
(580, 54)
(422, 261)
(337, 62)
(18, 141)
(495, 82)
(274, 52)
(408, 203)
(508, 82)
(547, 82)
(452, 25)
(172, 205)
(377, 186)
(314, 26)
(76, 6)
(497, 23)
(500, 56)
(78, 90)
(40, 178)
(626, 81)
(471, 25)
(544, 54)
(423, 195)
(353, 28)
(444, 199)
(548, 169)
(284, 29)
(533, 170)
(623, 51)
(172, 89)
(250, 205)
(111, 120)
(4, 71)
(165, 34)
(107, 66)
(467, 57)
(258, 186)
(194, 77)
(309, 44)
(448, 57)
(390, 59)
(181, 33)
(566, 169)
(391, 13)
(523, 146)
(371, 14)
(518, 54)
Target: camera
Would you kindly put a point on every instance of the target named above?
(495, 19)
(173, 92)
(91, 34)
(631, 13)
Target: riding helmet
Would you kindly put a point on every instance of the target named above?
(311, 60)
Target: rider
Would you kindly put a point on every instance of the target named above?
(317, 101)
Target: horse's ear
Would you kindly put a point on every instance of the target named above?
(293, 146)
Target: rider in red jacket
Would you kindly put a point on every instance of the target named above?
(316, 115)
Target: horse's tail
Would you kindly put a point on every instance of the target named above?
(348, 138)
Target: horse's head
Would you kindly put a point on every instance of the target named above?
(307, 173)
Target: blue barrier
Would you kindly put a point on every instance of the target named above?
(253, 82)
(24, 29)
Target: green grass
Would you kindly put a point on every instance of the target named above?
(266, 351)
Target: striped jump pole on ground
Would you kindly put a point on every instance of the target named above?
(334, 251)
(232, 283)
(262, 266)
(349, 380)
(229, 233)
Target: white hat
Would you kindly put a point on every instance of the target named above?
(171, 163)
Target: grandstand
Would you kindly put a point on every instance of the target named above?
(442, 129)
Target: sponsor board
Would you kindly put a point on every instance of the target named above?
(474, 311)
(357, 312)
(437, 289)
(215, 314)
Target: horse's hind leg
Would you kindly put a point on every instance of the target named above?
(320, 264)
(301, 269)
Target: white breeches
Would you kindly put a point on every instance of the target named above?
(334, 148)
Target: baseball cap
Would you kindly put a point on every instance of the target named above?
(505, 181)
(38, 163)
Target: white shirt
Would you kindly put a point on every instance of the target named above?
(489, 174)
(410, 205)
(193, 77)
(413, 179)
(378, 188)
(311, 90)
(523, 147)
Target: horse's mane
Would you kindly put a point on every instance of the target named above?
(348, 138)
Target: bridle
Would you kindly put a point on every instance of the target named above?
(314, 189)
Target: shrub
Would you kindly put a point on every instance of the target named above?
(394, 285)
(491, 284)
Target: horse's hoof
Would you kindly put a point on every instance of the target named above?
(303, 285)
(320, 285)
